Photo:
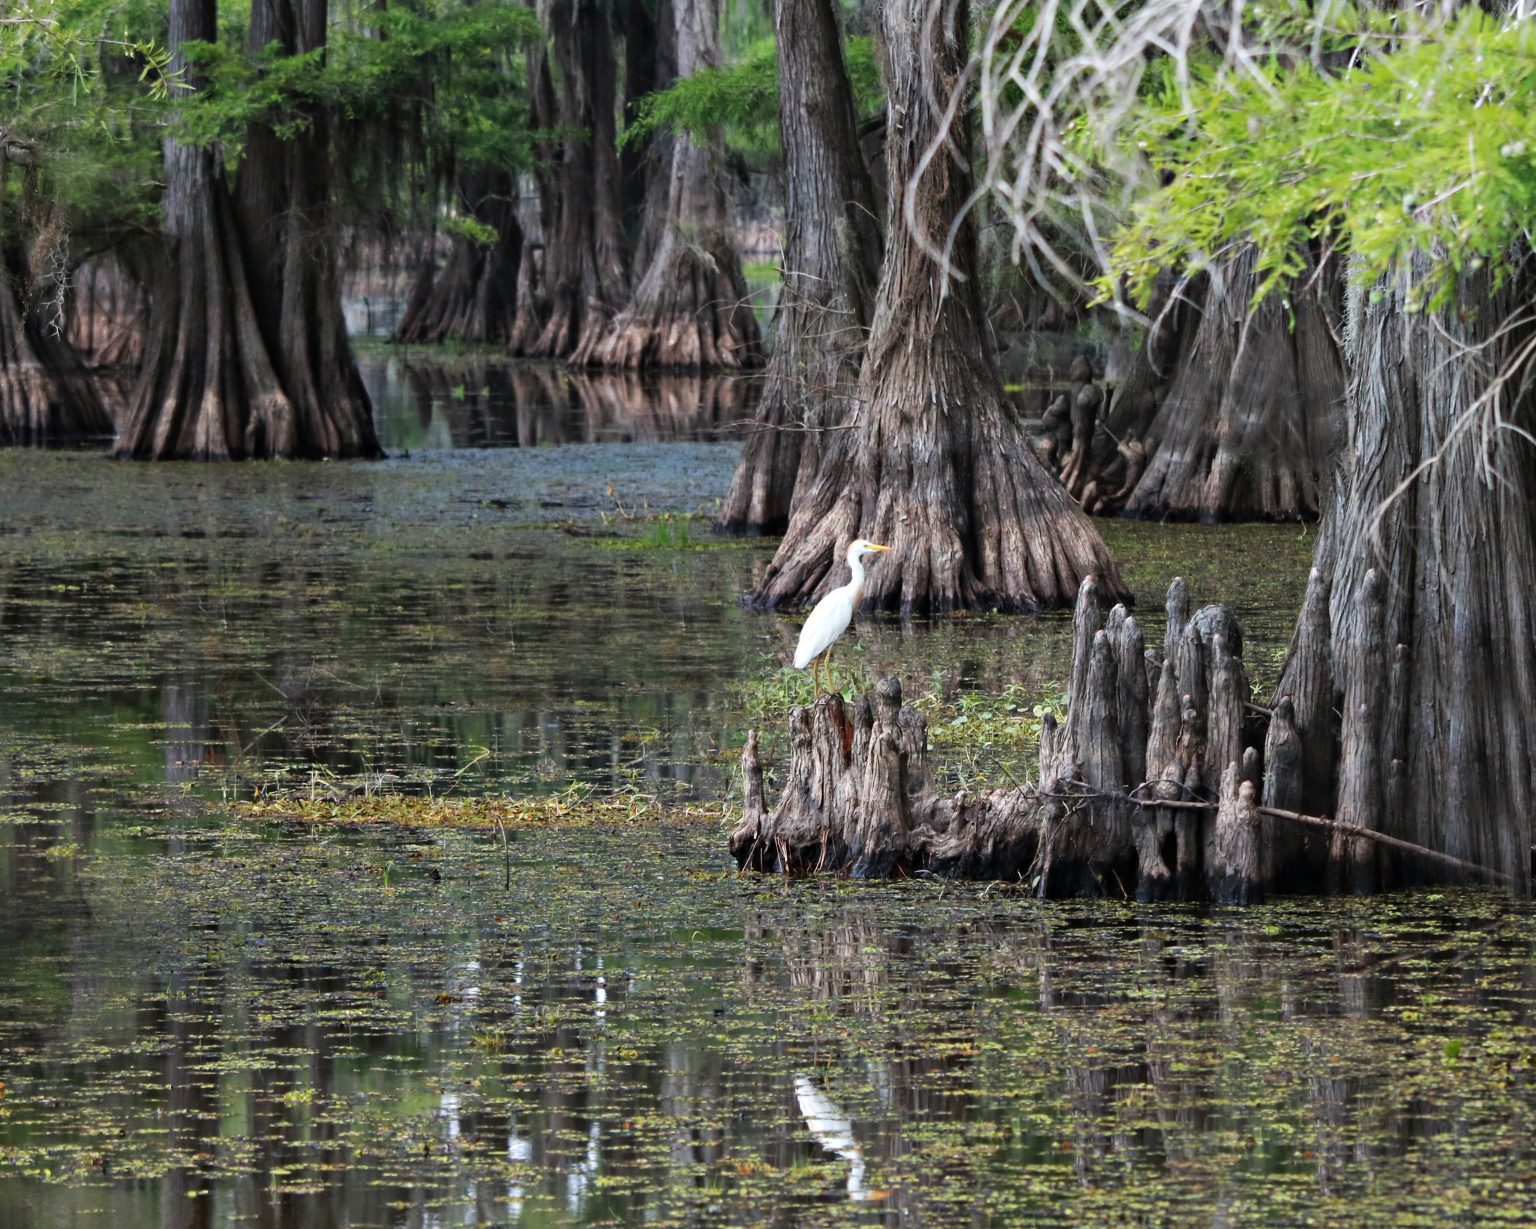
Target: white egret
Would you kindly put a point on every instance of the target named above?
(833, 613)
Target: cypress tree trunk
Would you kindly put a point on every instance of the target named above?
(247, 354)
(1421, 598)
(1153, 787)
(531, 312)
(207, 388)
(1247, 425)
(46, 395)
(1111, 461)
(474, 296)
(832, 253)
(690, 310)
(282, 202)
(110, 307)
(584, 271)
(651, 47)
(936, 465)
(648, 66)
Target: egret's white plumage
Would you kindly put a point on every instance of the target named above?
(833, 613)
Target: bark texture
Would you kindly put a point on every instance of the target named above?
(831, 268)
(857, 798)
(248, 354)
(109, 309)
(1246, 428)
(1227, 413)
(283, 205)
(690, 310)
(1152, 788)
(1101, 453)
(46, 394)
(1402, 722)
(650, 63)
(936, 465)
(531, 312)
(1418, 626)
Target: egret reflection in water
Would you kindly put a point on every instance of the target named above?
(833, 1130)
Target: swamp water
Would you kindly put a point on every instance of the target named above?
(209, 1017)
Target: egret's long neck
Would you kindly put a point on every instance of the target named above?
(856, 566)
(856, 585)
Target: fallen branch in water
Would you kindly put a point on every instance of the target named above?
(1323, 823)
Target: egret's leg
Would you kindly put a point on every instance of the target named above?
(827, 657)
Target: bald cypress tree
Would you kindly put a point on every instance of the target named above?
(247, 355)
(46, 395)
(831, 267)
(1404, 706)
(586, 271)
(690, 309)
(935, 463)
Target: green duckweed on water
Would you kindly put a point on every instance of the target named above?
(362, 863)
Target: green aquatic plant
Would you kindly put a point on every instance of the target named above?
(666, 533)
(769, 695)
(1010, 718)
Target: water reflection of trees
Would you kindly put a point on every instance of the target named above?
(285, 1164)
(1214, 1058)
(43, 900)
(486, 403)
(326, 664)
(920, 1065)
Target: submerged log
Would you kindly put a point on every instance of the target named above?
(1158, 784)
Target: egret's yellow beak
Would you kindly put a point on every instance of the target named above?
(876, 546)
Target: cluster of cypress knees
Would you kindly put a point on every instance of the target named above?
(1161, 783)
